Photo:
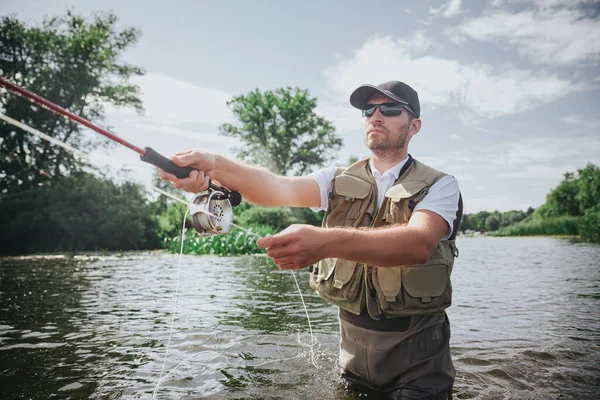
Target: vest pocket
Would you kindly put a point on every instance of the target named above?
(403, 199)
(410, 290)
(427, 287)
(337, 279)
(350, 201)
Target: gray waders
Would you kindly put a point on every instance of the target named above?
(400, 358)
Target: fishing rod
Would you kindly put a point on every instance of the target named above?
(147, 154)
(212, 212)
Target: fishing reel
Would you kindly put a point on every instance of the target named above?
(211, 213)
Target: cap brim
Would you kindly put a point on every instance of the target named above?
(361, 96)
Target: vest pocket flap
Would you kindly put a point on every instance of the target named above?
(344, 270)
(425, 281)
(350, 186)
(326, 268)
(405, 190)
(389, 280)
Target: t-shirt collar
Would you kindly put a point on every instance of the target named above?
(395, 170)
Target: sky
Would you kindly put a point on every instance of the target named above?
(509, 89)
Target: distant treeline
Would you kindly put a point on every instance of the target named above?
(572, 208)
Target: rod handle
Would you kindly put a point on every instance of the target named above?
(152, 157)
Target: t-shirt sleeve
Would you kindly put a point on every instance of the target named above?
(323, 178)
(442, 199)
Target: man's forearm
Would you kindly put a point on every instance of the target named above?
(392, 246)
(257, 185)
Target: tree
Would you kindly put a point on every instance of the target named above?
(562, 200)
(84, 212)
(466, 223)
(74, 63)
(352, 159)
(589, 189)
(492, 223)
(281, 131)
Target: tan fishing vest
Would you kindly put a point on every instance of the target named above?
(386, 292)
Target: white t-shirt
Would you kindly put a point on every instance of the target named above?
(442, 197)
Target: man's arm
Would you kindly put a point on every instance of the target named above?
(256, 184)
(301, 245)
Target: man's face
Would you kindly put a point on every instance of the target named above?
(384, 135)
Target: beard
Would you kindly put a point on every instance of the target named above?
(391, 143)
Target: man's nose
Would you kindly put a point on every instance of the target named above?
(377, 116)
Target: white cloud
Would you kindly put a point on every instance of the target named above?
(548, 32)
(538, 157)
(561, 152)
(477, 88)
(447, 10)
(545, 3)
(173, 101)
(582, 123)
(338, 110)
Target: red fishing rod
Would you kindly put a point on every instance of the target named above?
(147, 154)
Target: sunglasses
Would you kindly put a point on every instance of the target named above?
(387, 110)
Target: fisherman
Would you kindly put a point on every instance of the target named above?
(384, 253)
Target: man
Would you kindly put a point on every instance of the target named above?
(385, 252)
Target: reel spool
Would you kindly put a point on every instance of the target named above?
(211, 213)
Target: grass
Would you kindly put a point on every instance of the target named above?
(559, 226)
(235, 242)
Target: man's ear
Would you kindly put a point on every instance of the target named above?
(415, 126)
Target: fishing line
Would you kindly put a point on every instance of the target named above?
(78, 153)
(52, 140)
(162, 369)
(313, 340)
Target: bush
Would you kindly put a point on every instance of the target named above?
(171, 219)
(278, 218)
(235, 242)
(550, 226)
(590, 227)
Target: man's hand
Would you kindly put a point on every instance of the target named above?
(204, 169)
(296, 247)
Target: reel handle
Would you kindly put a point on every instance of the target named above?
(151, 156)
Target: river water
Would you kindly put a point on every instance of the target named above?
(525, 325)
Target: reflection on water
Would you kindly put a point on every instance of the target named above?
(524, 321)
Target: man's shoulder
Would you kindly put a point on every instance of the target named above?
(426, 173)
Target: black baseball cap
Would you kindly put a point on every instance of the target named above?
(395, 90)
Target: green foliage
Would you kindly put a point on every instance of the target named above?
(590, 227)
(589, 189)
(563, 226)
(278, 218)
(561, 200)
(353, 159)
(171, 219)
(81, 213)
(74, 63)
(492, 223)
(308, 216)
(281, 131)
(235, 242)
